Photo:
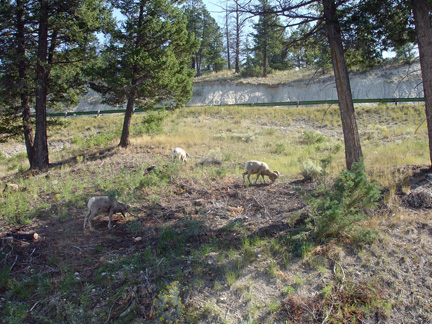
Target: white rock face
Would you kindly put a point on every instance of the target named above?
(390, 82)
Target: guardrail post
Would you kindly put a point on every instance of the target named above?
(298, 103)
(65, 115)
(98, 113)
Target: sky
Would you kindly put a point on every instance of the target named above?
(214, 7)
(217, 10)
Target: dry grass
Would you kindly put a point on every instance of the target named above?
(277, 77)
(276, 135)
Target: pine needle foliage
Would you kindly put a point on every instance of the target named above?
(338, 210)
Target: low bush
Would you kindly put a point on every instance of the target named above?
(337, 211)
(151, 124)
(160, 176)
(311, 170)
(310, 137)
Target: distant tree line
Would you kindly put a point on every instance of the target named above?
(51, 52)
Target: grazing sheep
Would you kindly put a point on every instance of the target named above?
(261, 169)
(103, 204)
(180, 154)
(13, 187)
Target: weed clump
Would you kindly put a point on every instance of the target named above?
(168, 305)
(310, 170)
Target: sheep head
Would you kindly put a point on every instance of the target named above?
(274, 175)
(121, 208)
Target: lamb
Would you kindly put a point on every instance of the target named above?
(103, 204)
(180, 154)
(261, 169)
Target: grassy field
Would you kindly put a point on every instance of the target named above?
(284, 137)
(200, 246)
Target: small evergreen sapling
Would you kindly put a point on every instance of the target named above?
(337, 211)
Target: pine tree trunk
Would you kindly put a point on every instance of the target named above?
(424, 37)
(227, 38)
(124, 140)
(237, 45)
(22, 72)
(28, 132)
(41, 138)
(198, 65)
(193, 63)
(353, 152)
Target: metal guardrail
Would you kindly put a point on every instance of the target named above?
(263, 104)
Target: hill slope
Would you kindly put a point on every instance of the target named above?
(388, 81)
(201, 246)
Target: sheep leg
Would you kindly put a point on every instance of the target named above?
(90, 220)
(244, 173)
(111, 211)
(257, 178)
(86, 219)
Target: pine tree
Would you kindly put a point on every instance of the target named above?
(353, 151)
(268, 36)
(145, 62)
(44, 46)
(207, 31)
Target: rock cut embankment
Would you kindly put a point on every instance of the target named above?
(402, 81)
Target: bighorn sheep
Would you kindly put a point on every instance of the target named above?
(103, 204)
(261, 169)
(180, 154)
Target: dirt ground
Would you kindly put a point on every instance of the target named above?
(401, 260)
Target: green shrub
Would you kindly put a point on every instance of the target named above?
(280, 148)
(160, 176)
(96, 139)
(310, 137)
(77, 140)
(336, 211)
(151, 124)
(310, 170)
(252, 71)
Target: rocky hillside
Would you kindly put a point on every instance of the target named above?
(389, 81)
(403, 81)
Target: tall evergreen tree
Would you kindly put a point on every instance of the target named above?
(422, 18)
(15, 78)
(353, 152)
(145, 62)
(240, 19)
(268, 35)
(45, 47)
(207, 31)
(326, 15)
(307, 49)
(396, 25)
(213, 49)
